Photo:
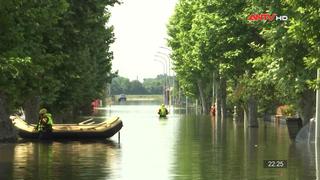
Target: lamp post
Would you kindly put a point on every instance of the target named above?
(170, 60)
(167, 92)
(170, 82)
(165, 82)
(168, 57)
(164, 60)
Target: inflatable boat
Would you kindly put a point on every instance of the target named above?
(84, 130)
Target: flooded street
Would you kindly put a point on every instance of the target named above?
(181, 147)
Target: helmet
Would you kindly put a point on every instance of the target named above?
(43, 111)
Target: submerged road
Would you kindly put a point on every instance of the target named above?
(181, 147)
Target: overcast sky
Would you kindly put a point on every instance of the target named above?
(140, 31)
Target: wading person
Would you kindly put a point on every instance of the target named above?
(163, 111)
(45, 121)
(213, 110)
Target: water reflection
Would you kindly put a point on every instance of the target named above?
(234, 151)
(180, 147)
(60, 160)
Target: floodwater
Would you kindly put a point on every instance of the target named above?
(181, 147)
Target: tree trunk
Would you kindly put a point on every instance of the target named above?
(238, 113)
(252, 113)
(306, 107)
(245, 115)
(7, 132)
(31, 107)
(202, 98)
(218, 99)
(223, 91)
(213, 88)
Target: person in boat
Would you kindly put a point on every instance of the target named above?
(163, 111)
(45, 121)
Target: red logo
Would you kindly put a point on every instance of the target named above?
(266, 17)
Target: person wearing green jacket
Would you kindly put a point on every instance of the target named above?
(45, 121)
(163, 111)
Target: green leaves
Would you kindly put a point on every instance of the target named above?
(211, 36)
(58, 50)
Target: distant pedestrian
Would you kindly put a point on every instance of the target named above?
(163, 111)
(213, 110)
(94, 105)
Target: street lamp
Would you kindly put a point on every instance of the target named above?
(165, 82)
(170, 81)
(167, 91)
(168, 58)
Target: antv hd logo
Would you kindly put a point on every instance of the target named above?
(267, 17)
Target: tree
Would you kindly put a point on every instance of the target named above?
(154, 85)
(136, 87)
(184, 41)
(209, 39)
(290, 50)
(52, 53)
(25, 59)
(120, 85)
(86, 70)
(256, 62)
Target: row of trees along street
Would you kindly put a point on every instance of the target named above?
(122, 85)
(53, 54)
(220, 56)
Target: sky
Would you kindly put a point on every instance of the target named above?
(140, 32)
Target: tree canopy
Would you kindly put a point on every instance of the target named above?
(122, 85)
(270, 62)
(57, 52)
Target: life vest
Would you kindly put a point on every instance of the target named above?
(163, 111)
(41, 126)
(49, 116)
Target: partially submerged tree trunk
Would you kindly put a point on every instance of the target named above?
(7, 132)
(31, 107)
(223, 91)
(307, 105)
(238, 113)
(218, 99)
(245, 115)
(213, 88)
(220, 87)
(250, 113)
(202, 97)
